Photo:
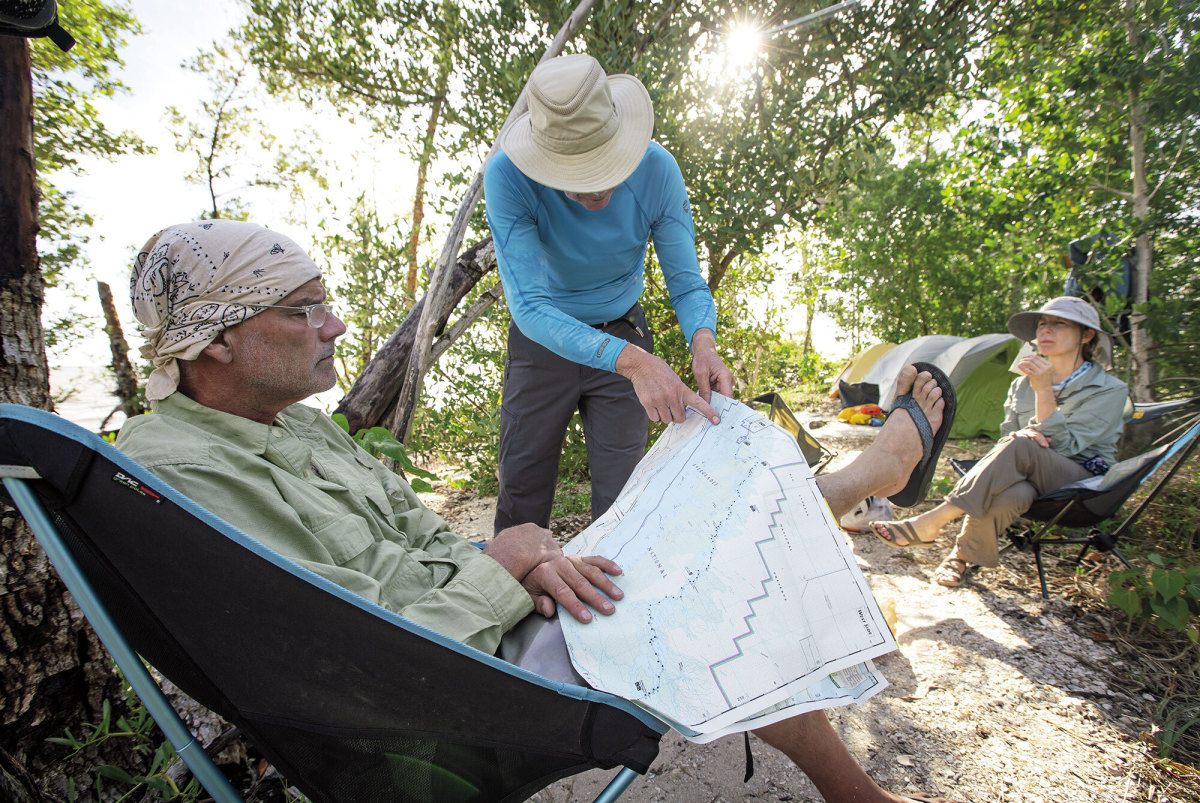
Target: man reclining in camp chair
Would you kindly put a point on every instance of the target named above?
(239, 330)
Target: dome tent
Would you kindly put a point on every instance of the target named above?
(978, 367)
(858, 365)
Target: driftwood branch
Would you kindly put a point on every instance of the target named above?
(420, 355)
(486, 299)
(373, 397)
(127, 385)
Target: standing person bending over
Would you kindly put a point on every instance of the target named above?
(1062, 424)
(573, 195)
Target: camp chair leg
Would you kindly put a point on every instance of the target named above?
(617, 786)
(191, 751)
(1037, 556)
(1028, 539)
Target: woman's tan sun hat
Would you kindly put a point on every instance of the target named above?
(584, 131)
(1023, 325)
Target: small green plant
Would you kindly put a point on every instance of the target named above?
(1169, 597)
(138, 726)
(572, 499)
(942, 486)
(380, 442)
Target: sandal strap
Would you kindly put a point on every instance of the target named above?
(918, 416)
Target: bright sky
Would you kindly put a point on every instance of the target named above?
(134, 196)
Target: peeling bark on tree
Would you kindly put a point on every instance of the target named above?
(53, 671)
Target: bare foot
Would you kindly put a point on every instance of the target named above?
(897, 449)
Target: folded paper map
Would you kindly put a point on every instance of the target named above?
(743, 602)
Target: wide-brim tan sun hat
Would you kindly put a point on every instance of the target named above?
(1023, 325)
(584, 131)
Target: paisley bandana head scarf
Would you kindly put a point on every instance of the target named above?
(193, 280)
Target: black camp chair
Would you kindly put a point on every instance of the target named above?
(349, 701)
(1092, 501)
(814, 453)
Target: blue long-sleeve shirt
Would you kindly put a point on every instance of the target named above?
(564, 267)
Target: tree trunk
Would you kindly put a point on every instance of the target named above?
(420, 355)
(53, 670)
(810, 306)
(427, 153)
(372, 400)
(717, 268)
(1141, 342)
(127, 385)
(24, 375)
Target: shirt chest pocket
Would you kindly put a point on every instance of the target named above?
(344, 538)
(1025, 411)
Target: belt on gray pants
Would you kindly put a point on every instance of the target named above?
(626, 318)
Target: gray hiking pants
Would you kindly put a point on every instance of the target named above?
(1002, 486)
(541, 392)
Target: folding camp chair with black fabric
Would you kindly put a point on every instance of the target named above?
(814, 453)
(349, 701)
(1090, 502)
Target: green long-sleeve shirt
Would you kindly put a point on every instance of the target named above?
(305, 489)
(1088, 419)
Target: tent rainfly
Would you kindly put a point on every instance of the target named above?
(978, 367)
(858, 365)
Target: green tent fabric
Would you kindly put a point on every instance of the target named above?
(981, 395)
(978, 367)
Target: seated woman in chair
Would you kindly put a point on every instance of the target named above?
(1063, 419)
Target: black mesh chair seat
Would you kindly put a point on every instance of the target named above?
(349, 701)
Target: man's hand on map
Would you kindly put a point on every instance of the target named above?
(711, 371)
(659, 389)
(530, 554)
(519, 549)
(571, 581)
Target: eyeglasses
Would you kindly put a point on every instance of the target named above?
(317, 314)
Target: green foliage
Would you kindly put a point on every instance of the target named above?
(942, 486)
(231, 150)
(67, 128)
(414, 70)
(765, 142)
(361, 255)
(909, 262)
(1169, 597)
(461, 420)
(138, 728)
(572, 499)
(380, 442)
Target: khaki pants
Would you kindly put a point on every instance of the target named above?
(1001, 487)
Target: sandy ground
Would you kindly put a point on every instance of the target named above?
(995, 694)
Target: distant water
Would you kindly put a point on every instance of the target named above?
(94, 396)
